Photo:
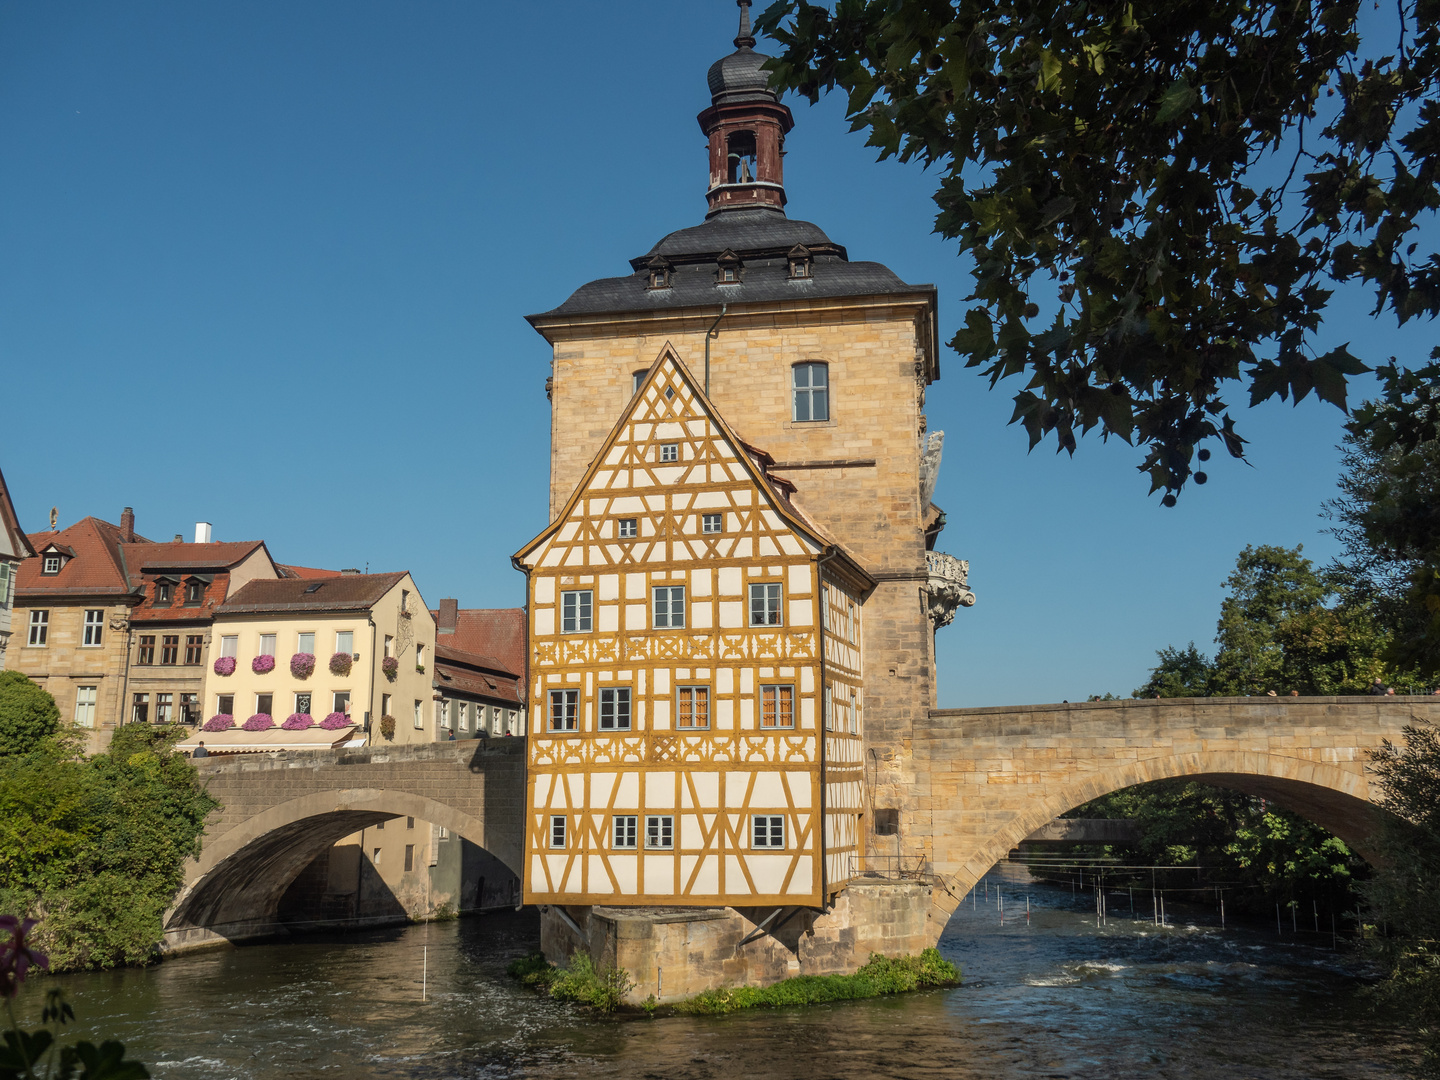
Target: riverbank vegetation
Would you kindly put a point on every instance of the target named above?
(604, 990)
(93, 845)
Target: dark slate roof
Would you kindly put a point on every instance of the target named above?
(739, 77)
(742, 231)
(349, 592)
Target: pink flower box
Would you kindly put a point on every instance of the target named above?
(335, 721)
(261, 721)
(225, 665)
(262, 665)
(298, 721)
(223, 721)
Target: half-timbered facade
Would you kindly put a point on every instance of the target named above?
(695, 674)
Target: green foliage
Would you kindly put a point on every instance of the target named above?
(28, 715)
(1267, 854)
(585, 984)
(97, 845)
(1400, 897)
(1131, 169)
(1180, 673)
(880, 975)
(38, 1055)
(533, 970)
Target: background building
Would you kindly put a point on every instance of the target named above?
(479, 671)
(14, 547)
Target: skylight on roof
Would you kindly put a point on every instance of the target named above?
(314, 588)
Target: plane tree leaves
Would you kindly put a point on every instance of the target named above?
(1158, 195)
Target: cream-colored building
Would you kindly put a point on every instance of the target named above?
(348, 626)
(14, 547)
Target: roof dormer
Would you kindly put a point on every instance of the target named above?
(53, 558)
(729, 268)
(802, 263)
(659, 271)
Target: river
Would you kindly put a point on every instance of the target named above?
(1051, 997)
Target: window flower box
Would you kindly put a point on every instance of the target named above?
(222, 721)
(262, 665)
(420, 669)
(387, 726)
(340, 663)
(225, 665)
(335, 721)
(261, 721)
(298, 721)
(302, 665)
(391, 667)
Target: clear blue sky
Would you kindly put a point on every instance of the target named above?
(265, 265)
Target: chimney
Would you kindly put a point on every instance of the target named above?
(179, 538)
(349, 570)
(449, 614)
(127, 526)
(202, 532)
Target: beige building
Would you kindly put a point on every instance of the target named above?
(361, 645)
(14, 548)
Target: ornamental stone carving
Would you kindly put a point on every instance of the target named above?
(948, 587)
(119, 623)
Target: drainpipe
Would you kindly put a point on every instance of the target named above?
(712, 333)
(820, 623)
(370, 710)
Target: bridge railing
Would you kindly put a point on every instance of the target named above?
(889, 867)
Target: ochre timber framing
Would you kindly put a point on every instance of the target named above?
(696, 678)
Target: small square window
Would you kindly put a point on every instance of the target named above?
(305, 643)
(712, 523)
(692, 706)
(575, 611)
(225, 703)
(564, 710)
(669, 607)
(624, 836)
(660, 831)
(230, 645)
(345, 641)
(767, 831)
(267, 644)
(629, 528)
(669, 451)
(614, 708)
(777, 706)
(52, 564)
(557, 830)
(765, 604)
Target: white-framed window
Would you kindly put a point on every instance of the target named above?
(341, 702)
(225, 703)
(712, 523)
(94, 626)
(230, 645)
(512, 722)
(564, 710)
(829, 708)
(765, 603)
(615, 708)
(52, 564)
(85, 706)
(267, 644)
(767, 831)
(812, 392)
(669, 452)
(140, 709)
(39, 627)
(4, 584)
(659, 831)
(163, 705)
(557, 830)
(345, 641)
(624, 831)
(629, 528)
(389, 646)
(385, 705)
(265, 703)
(462, 717)
(575, 611)
(164, 593)
(442, 710)
(419, 714)
(419, 655)
(692, 706)
(669, 607)
(636, 378)
(305, 643)
(777, 706)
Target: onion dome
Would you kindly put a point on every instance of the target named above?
(739, 77)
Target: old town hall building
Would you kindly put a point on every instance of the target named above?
(733, 607)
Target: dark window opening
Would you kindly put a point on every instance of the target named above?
(740, 158)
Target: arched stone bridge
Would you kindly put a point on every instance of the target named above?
(975, 782)
(278, 813)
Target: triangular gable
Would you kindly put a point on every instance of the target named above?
(18, 544)
(669, 409)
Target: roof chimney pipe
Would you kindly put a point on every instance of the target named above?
(127, 526)
(202, 532)
(449, 616)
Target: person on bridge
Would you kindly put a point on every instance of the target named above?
(1378, 688)
(200, 750)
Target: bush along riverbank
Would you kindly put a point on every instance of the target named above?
(604, 990)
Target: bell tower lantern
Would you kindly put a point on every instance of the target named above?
(746, 126)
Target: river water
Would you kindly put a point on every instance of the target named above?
(1054, 996)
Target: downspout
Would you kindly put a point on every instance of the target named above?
(824, 717)
(712, 333)
(370, 711)
(528, 722)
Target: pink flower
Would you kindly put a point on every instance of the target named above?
(302, 665)
(261, 665)
(340, 663)
(225, 665)
(335, 721)
(16, 958)
(222, 721)
(261, 721)
(298, 721)
(390, 666)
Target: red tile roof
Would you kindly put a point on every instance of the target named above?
(498, 633)
(96, 569)
(11, 524)
(308, 572)
(482, 676)
(346, 592)
(218, 555)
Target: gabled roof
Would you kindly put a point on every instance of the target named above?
(496, 633)
(95, 569)
(307, 572)
(10, 523)
(347, 592)
(470, 673)
(755, 462)
(217, 555)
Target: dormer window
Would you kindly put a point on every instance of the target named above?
(660, 271)
(801, 265)
(194, 592)
(728, 272)
(164, 593)
(52, 564)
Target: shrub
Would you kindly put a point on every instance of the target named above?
(585, 984)
(880, 975)
(335, 721)
(533, 970)
(387, 726)
(298, 721)
(262, 665)
(390, 666)
(28, 715)
(221, 721)
(302, 665)
(261, 721)
(225, 665)
(340, 663)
